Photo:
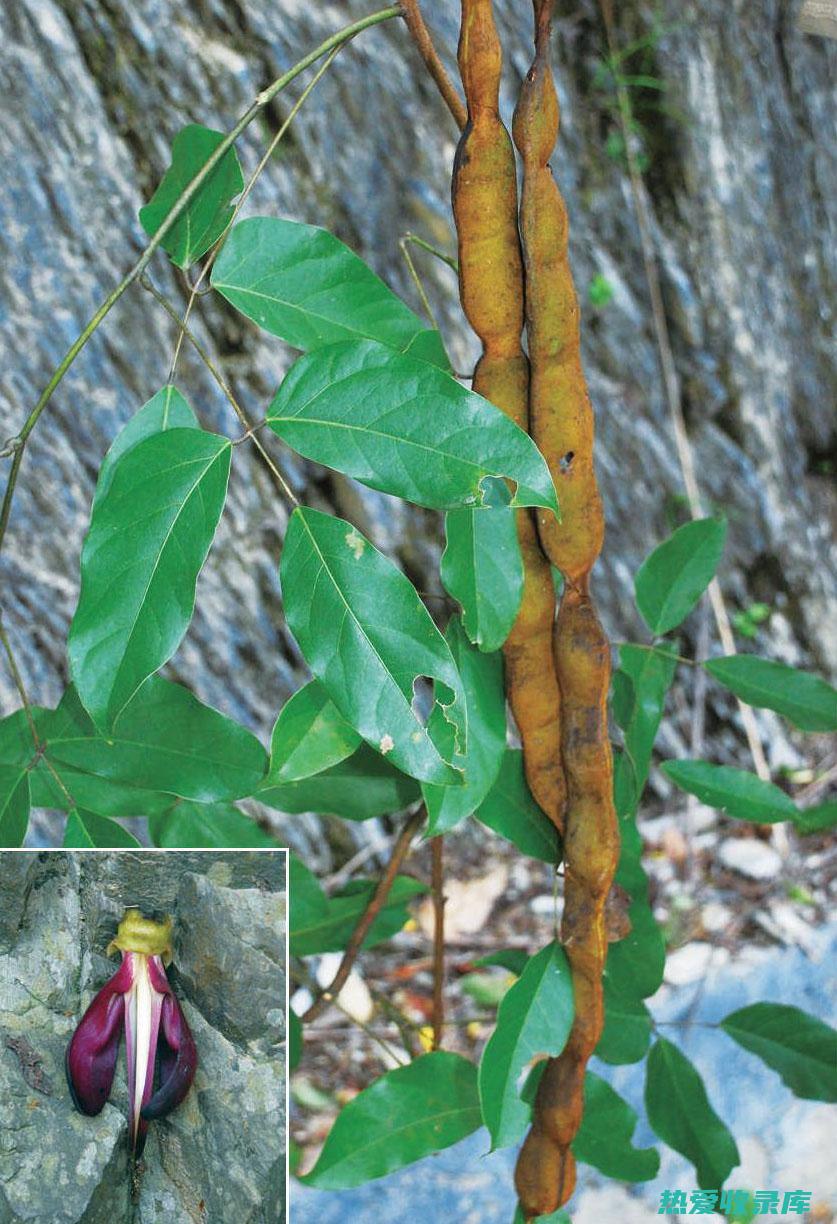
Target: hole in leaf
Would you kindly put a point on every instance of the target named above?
(494, 491)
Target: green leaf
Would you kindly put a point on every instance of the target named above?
(166, 740)
(309, 736)
(294, 1040)
(806, 700)
(16, 744)
(309, 904)
(404, 1115)
(330, 931)
(405, 427)
(818, 818)
(670, 582)
(482, 680)
(557, 1217)
(304, 285)
(513, 959)
(85, 829)
(734, 791)
(366, 635)
(166, 410)
(359, 788)
(640, 686)
(535, 1017)
(627, 1027)
(510, 810)
(14, 805)
(482, 569)
(209, 211)
(193, 826)
(801, 1048)
(679, 1112)
(604, 1137)
(149, 536)
(636, 963)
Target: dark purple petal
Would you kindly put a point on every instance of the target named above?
(91, 1055)
(178, 1061)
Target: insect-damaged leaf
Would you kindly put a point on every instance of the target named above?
(405, 427)
(404, 1115)
(301, 283)
(208, 213)
(367, 637)
(482, 680)
(149, 536)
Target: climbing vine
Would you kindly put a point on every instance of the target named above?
(400, 714)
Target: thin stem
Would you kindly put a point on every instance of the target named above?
(416, 279)
(671, 384)
(376, 902)
(255, 108)
(438, 890)
(431, 250)
(196, 290)
(250, 428)
(420, 34)
(307, 979)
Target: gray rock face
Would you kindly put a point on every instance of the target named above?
(221, 1154)
(742, 190)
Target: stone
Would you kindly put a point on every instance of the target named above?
(749, 857)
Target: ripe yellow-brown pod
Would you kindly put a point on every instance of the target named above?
(491, 290)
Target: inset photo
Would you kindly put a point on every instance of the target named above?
(143, 1027)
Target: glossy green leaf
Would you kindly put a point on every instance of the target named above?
(86, 829)
(535, 1017)
(294, 1040)
(148, 538)
(679, 1112)
(359, 788)
(635, 964)
(193, 826)
(604, 1137)
(800, 1047)
(818, 818)
(510, 810)
(644, 677)
(734, 791)
(209, 211)
(405, 427)
(808, 701)
(16, 744)
(402, 1116)
(366, 635)
(166, 741)
(482, 569)
(166, 410)
(331, 930)
(482, 680)
(556, 1217)
(310, 735)
(304, 285)
(672, 579)
(627, 1027)
(308, 902)
(14, 805)
(513, 959)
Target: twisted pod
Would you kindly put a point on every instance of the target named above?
(561, 422)
(491, 290)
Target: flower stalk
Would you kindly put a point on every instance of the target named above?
(159, 1046)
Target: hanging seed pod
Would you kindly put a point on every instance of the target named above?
(491, 290)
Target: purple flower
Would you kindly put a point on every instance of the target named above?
(157, 1037)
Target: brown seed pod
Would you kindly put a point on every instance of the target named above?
(544, 1176)
(491, 290)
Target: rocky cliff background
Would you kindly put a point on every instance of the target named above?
(742, 182)
(221, 1154)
